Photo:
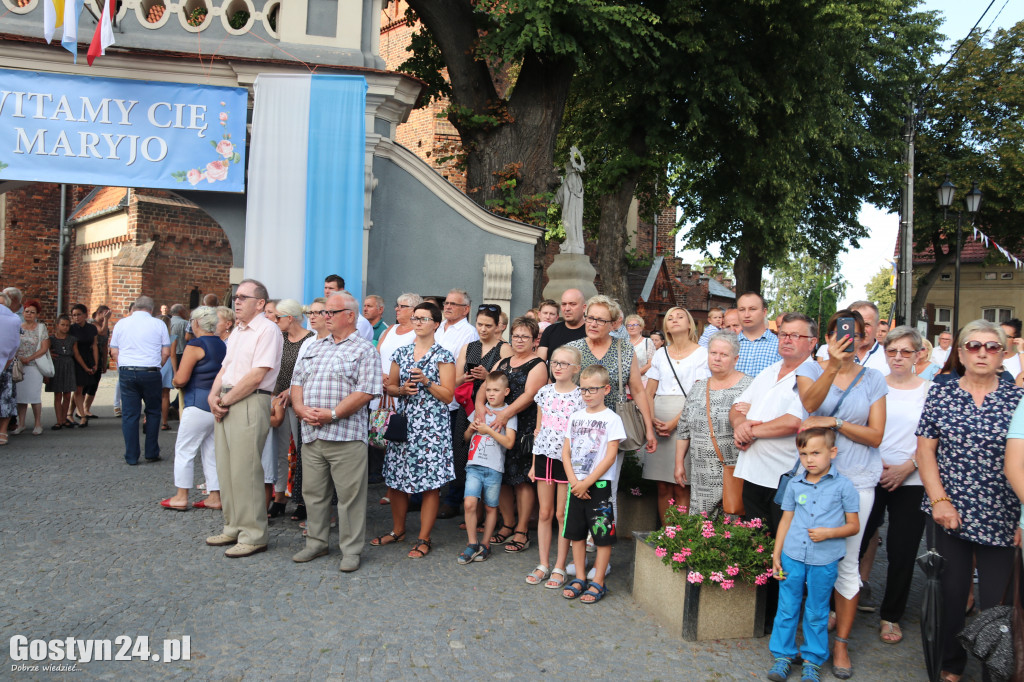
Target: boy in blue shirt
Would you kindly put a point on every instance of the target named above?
(819, 509)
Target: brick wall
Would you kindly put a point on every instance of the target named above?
(31, 223)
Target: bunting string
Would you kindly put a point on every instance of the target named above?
(989, 243)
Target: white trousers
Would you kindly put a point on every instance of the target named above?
(195, 434)
(848, 580)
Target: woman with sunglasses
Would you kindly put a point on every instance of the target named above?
(899, 490)
(422, 375)
(288, 317)
(839, 394)
(961, 451)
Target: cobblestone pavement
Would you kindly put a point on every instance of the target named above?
(89, 553)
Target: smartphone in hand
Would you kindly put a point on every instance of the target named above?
(847, 326)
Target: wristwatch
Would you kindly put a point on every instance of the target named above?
(334, 416)
(428, 383)
(839, 424)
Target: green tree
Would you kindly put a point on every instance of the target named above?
(880, 290)
(799, 283)
(972, 130)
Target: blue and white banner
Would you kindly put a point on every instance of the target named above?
(130, 133)
(307, 178)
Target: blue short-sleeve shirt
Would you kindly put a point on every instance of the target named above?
(818, 505)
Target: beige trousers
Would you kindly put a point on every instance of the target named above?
(344, 464)
(240, 438)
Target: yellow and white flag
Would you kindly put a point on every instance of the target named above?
(53, 17)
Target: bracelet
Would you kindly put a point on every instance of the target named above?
(941, 499)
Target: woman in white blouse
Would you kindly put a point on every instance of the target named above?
(674, 369)
(643, 347)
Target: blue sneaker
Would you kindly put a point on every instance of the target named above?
(780, 671)
(811, 673)
(469, 554)
(483, 555)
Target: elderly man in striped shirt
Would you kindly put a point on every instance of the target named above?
(331, 388)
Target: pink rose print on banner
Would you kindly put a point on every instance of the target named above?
(216, 170)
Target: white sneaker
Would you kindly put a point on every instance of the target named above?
(593, 571)
(20, 429)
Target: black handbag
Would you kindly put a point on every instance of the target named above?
(990, 636)
(398, 428)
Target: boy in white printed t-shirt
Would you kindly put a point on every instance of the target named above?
(588, 455)
(485, 466)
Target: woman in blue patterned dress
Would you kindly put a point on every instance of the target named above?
(961, 451)
(423, 377)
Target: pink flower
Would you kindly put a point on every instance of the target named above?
(670, 531)
(671, 501)
(726, 521)
(195, 176)
(732, 570)
(660, 552)
(727, 584)
(761, 579)
(726, 535)
(223, 116)
(635, 491)
(717, 577)
(708, 530)
(760, 548)
(679, 557)
(226, 149)
(686, 552)
(756, 523)
(694, 577)
(223, 104)
(681, 509)
(216, 170)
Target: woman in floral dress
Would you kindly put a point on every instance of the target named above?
(423, 376)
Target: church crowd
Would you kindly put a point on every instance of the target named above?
(518, 426)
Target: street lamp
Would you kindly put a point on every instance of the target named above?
(973, 202)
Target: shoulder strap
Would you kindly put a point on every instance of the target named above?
(847, 391)
(711, 428)
(618, 360)
(671, 365)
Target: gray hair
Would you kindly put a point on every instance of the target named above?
(143, 303)
(205, 318)
(464, 294)
(261, 289)
(290, 307)
(729, 338)
(857, 305)
(614, 311)
(376, 299)
(13, 293)
(982, 327)
(409, 299)
(5, 300)
(904, 332)
(177, 308)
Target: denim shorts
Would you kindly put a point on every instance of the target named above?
(481, 479)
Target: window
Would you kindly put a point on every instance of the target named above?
(990, 275)
(944, 318)
(1005, 275)
(997, 315)
(945, 277)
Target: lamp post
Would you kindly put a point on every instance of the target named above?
(972, 202)
(820, 293)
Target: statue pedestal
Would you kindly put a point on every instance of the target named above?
(570, 271)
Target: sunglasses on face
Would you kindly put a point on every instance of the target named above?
(902, 352)
(990, 346)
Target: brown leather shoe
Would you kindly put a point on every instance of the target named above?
(242, 549)
(220, 540)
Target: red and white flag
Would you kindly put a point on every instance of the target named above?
(104, 35)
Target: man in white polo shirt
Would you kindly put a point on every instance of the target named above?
(941, 352)
(140, 345)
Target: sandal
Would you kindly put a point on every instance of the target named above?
(594, 596)
(469, 554)
(276, 509)
(533, 579)
(555, 583)
(300, 513)
(381, 540)
(416, 552)
(841, 673)
(3, 439)
(513, 546)
(574, 588)
(500, 538)
(56, 427)
(890, 633)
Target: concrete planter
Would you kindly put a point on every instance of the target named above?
(636, 515)
(694, 612)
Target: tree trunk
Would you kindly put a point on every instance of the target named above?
(612, 238)
(748, 267)
(928, 280)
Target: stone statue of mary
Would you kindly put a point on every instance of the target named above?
(570, 196)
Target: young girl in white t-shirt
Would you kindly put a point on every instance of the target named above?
(555, 404)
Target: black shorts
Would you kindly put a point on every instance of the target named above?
(548, 469)
(595, 516)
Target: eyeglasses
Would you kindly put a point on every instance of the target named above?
(490, 306)
(596, 320)
(633, 325)
(786, 336)
(423, 320)
(902, 352)
(521, 337)
(332, 313)
(315, 313)
(558, 364)
(592, 390)
(242, 298)
(990, 346)
(453, 303)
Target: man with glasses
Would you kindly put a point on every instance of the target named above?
(1014, 347)
(140, 345)
(454, 333)
(571, 328)
(759, 348)
(332, 406)
(869, 352)
(763, 428)
(335, 283)
(373, 311)
(941, 352)
(240, 403)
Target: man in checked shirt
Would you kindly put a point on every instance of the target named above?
(331, 387)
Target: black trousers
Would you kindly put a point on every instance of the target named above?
(902, 539)
(759, 503)
(995, 569)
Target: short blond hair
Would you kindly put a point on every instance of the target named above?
(614, 310)
(596, 371)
